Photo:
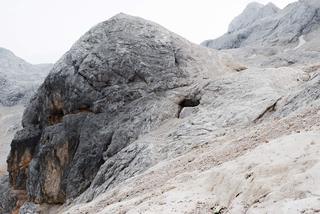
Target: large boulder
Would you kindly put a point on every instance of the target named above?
(122, 79)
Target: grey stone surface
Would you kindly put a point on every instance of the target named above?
(7, 199)
(125, 113)
(281, 28)
(19, 79)
(29, 208)
(305, 97)
(121, 80)
(252, 13)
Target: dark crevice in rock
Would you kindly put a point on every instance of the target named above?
(76, 68)
(57, 115)
(137, 77)
(270, 108)
(82, 109)
(189, 102)
(176, 61)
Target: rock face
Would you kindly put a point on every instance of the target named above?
(119, 81)
(265, 26)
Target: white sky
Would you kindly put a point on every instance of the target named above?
(41, 31)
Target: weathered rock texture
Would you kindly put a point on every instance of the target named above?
(19, 79)
(119, 81)
(252, 13)
(135, 119)
(265, 36)
(7, 200)
(266, 26)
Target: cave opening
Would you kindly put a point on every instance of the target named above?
(188, 103)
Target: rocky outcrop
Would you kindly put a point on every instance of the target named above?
(119, 81)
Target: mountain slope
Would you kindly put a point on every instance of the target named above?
(286, 37)
(252, 13)
(136, 119)
(18, 82)
(275, 28)
(18, 79)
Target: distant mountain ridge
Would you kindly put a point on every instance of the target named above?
(267, 25)
(18, 78)
(253, 12)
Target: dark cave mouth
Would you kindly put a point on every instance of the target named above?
(188, 103)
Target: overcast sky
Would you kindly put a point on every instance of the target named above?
(40, 31)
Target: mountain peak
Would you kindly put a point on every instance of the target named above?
(253, 12)
(255, 5)
(270, 26)
(5, 52)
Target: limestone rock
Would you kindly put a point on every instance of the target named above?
(135, 119)
(119, 81)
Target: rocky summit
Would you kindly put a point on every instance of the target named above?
(136, 119)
